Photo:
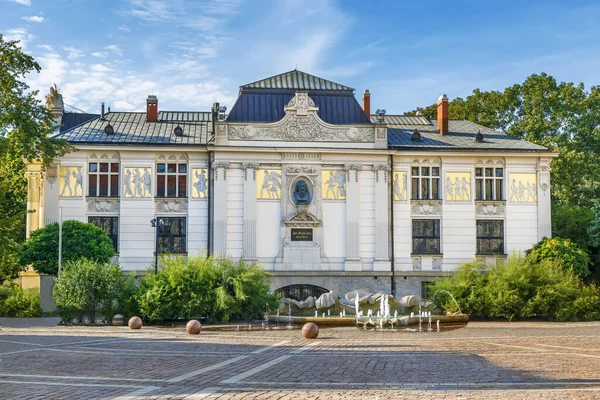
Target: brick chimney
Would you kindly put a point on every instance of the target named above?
(442, 114)
(366, 103)
(152, 108)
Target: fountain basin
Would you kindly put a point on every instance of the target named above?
(457, 320)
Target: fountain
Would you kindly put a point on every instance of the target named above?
(356, 309)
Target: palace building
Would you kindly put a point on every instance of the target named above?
(302, 179)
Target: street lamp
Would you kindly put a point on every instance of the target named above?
(156, 223)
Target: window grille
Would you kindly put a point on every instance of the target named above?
(490, 237)
(489, 183)
(171, 235)
(300, 292)
(110, 226)
(426, 236)
(171, 180)
(103, 179)
(425, 183)
(426, 290)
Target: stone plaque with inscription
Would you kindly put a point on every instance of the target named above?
(302, 234)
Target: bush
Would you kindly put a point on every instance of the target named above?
(195, 287)
(562, 252)
(520, 289)
(125, 302)
(16, 302)
(80, 240)
(86, 286)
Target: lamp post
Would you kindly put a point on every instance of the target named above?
(156, 223)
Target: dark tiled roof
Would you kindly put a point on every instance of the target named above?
(189, 116)
(461, 136)
(132, 128)
(297, 80)
(71, 119)
(266, 105)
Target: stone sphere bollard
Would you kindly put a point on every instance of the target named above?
(135, 323)
(193, 327)
(118, 320)
(310, 330)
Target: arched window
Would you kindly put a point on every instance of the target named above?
(300, 292)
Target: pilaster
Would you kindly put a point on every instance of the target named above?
(544, 213)
(250, 211)
(382, 260)
(352, 262)
(220, 208)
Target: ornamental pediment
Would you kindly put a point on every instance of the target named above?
(301, 124)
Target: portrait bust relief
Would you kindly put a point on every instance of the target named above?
(302, 195)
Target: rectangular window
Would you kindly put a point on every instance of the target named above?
(426, 290)
(425, 183)
(489, 183)
(110, 226)
(103, 179)
(171, 235)
(426, 236)
(171, 180)
(490, 237)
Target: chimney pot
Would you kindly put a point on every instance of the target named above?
(102, 110)
(151, 108)
(442, 114)
(366, 103)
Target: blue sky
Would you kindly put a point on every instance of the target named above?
(191, 53)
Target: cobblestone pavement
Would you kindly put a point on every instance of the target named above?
(483, 360)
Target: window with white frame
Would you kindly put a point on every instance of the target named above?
(489, 183)
(103, 179)
(425, 183)
(171, 180)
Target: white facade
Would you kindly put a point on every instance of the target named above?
(252, 212)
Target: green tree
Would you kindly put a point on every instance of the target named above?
(80, 240)
(25, 128)
(84, 287)
(562, 252)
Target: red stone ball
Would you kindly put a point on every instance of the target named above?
(118, 320)
(193, 327)
(135, 323)
(310, 330)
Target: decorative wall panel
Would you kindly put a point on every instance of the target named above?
(400, 186)
(458, 186)
(137, 182)
(333, 184)
(268, 184)
(199, 183)
(71, 181)
(523, 187)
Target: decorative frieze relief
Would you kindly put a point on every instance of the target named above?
(333, 184)
(268, 184)
(104, 205)
(426, 207)
(301, 170)
(71, 181)
(416, 261)
(436, 263)
(171, 206)
(301, 156)
(302, 218)
(523, 187)
(301, 124)
(400, 185)
(489, 208)
(199, 183)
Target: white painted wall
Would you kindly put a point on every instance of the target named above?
(334, 224)
(268, 226)
(521, 227)
(366, 219)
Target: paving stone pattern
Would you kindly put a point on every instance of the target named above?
(532, 360)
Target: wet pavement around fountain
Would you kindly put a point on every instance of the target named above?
(496, 360)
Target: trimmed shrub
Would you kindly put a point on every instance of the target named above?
(125, 302)
(80, 240)
(86, 286)
(16, 302)
(562, 252)
(215, 288)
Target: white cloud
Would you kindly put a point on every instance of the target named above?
(34, 18)
(100, 68)
(114, 49)
(99, 54)
(46, 47)
(20, 34)
(24, 2)
(73, 52)
(124, 28)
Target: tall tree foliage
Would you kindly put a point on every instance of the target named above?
(564, 117)
(25, 127)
